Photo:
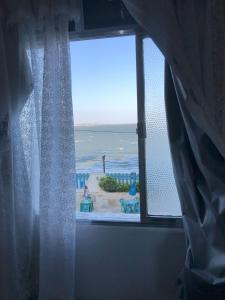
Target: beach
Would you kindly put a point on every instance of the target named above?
(103, 202)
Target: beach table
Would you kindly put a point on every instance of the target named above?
(86, 204)
(130, 206)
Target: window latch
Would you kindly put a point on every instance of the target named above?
(141, 130)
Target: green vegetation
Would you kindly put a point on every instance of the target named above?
(109, 184)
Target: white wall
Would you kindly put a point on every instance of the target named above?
(128, 263)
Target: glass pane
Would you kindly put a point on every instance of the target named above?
(162, 197)
(105, 113)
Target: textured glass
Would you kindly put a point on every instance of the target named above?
(162, 197)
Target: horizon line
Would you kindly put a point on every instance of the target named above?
(100, 124)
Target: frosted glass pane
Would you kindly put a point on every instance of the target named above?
(162, 197)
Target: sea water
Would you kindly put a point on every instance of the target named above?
(119, 144)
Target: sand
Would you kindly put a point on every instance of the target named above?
(103, 201)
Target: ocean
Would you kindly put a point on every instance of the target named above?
(119, 144)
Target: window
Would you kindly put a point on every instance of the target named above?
(105, 110)
(120, 173)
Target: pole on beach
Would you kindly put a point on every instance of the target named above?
(103, 162)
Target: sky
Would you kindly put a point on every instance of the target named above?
(104, 79)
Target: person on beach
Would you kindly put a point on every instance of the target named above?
(86, 192)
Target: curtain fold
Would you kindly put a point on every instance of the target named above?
(199, 171)
(190, 34)
(37, 156)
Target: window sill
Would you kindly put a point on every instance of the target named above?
(129, 219)
(107, 217)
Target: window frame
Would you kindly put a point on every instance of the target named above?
(161, 220)
(136, 31)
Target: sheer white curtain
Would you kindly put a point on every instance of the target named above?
(37, 157)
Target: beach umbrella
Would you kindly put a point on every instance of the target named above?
(132, 191)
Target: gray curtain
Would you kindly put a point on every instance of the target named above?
(191, 35)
